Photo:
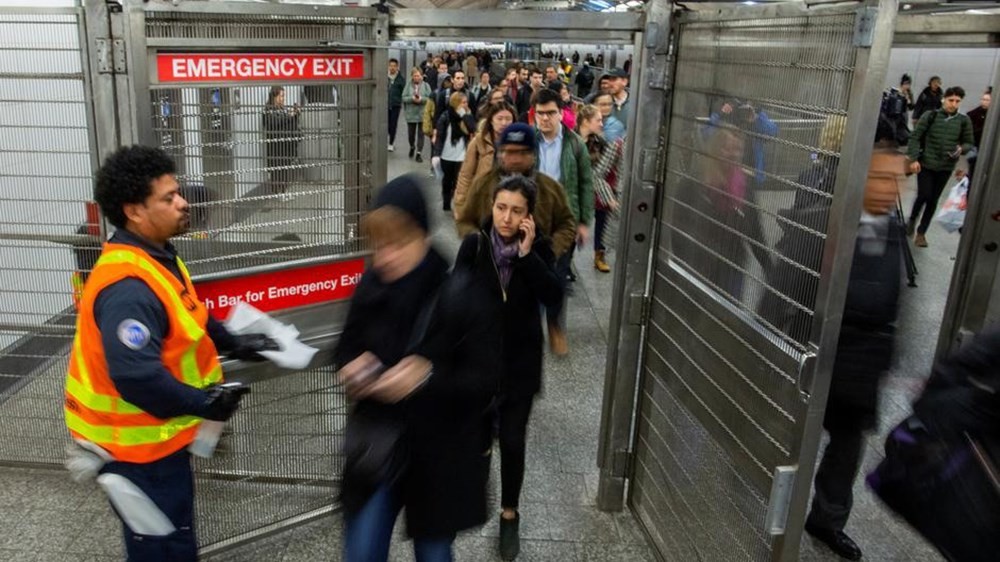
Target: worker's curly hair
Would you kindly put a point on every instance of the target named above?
(126, 177)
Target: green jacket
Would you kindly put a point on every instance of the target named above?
(396, 86)
(943, 135)
(577, 176)
(414, 112)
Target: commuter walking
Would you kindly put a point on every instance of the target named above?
(584, 81)
(454, 129)
(415, 97)
(144, 368)
(563, 156)
(940, 138)
(480, 158)
(605, 159)
(978, 118)
(928, 100)
(281, 137)
(495, 97)
(614, 130)
(481, 91)
(420, 358)
(396, 86)
(514, 261)
(864, 349)
(553, 217)
(617, 84)
(444, 94)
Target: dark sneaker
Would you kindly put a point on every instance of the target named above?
(510, 539)
(837, 541)
(419, 158)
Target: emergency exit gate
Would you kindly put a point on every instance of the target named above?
(269, 205)
(740, 309)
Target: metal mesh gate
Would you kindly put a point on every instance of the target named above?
(45, 179)
(758, 114)
(269, 185)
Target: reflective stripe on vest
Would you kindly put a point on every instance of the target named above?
(93, 409)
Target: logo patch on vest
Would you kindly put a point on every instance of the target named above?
(133, 334)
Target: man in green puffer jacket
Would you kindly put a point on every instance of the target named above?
(940, 138)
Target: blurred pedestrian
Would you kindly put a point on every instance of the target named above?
(928, 100)
(978, 118)
(419, 357)
(281, 148)
(605, 159)
(416, 95)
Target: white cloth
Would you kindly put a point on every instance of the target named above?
(453, 152)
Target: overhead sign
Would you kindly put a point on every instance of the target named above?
(279, 290)
(258, 67)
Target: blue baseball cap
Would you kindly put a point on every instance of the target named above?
(519, 134)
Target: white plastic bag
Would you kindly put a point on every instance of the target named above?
(952, 214)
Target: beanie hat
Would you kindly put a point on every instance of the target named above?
(405, 194)
(520, 134)
(905, 80)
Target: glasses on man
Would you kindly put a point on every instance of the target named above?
(548, 114)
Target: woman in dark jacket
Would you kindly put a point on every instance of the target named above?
(281, 127)
(516, 267)
(419, 433)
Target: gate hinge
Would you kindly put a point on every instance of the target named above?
(110, 55)
(638, 309)
(622, 464)
(864, 26)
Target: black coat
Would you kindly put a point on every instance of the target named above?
(444, 451)
(281, 131)
(532, 283)
(444, 122)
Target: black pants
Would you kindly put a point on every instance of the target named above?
(450, 171)
(930, 185)
(514, 411)
(554, 314)
(600, 222)
(415, 134)
(834, 480)
(169, 483)
(394, 122)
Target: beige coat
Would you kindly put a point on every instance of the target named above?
(479, 161)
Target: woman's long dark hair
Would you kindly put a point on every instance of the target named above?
(272, 94)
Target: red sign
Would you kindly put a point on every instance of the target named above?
(258, 67)
(278, 290)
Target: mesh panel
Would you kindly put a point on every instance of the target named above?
(45, 180)
(280, 459)
(757, 118)
(258, 26)
(268, 184)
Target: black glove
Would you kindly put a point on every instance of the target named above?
(223, 400)
(248, 346)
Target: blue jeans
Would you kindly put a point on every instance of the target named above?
(368, 532)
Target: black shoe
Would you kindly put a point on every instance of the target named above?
(411, 152)
(838, 541)
(510, 539)
(419, 158)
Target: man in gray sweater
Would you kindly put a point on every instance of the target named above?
(940, 138)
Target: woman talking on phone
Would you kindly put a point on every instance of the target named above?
(515, 265)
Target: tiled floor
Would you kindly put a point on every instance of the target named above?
(46, 517)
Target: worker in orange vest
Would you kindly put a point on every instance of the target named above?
(144, 369)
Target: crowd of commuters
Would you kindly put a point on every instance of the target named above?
(439, 363)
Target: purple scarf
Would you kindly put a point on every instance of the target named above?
(503, 255)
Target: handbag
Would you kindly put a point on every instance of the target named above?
(374, 454)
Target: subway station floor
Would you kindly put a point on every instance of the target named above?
(44, 516)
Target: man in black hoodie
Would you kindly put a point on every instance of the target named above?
(929, 99)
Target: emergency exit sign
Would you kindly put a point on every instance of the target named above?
(258, 67)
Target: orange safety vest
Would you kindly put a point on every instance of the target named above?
(94, 409)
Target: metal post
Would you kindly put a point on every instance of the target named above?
(871, 65)
(636, 236)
